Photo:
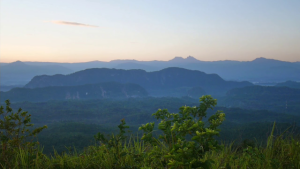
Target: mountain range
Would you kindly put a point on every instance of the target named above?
(20, 73)
(260, 70)
(166, 82)
(257, 70)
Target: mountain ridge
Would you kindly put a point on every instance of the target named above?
(18, 73)
(163, 80)
(259, 70)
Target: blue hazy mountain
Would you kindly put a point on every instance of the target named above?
(18, 73)
(129, 66)
(259, 70)
(2, 64)
(159, 83)
(5, 88)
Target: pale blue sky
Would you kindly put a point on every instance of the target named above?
(37, 30)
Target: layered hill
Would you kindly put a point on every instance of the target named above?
(5, 88)
(279, 99)
(164, 81)
(264, 92)
(291, 84)
(261, 70)
(19, 73)
(89, 91)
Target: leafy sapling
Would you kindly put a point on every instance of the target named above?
(188, 123)
(15, 132)
(115, 142)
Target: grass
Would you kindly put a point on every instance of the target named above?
(280, 153)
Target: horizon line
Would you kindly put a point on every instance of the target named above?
(154, 60)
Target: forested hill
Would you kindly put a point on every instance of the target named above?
(89, 91)
(169, 78)
(278, 99)
(291, 84)
(264, 92)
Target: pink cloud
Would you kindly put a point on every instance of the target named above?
(72, 23)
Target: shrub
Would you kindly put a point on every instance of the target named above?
(15, 134)
(186, 135)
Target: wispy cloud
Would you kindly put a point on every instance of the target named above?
(72, 23)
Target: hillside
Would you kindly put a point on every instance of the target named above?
(263, 91)
(163, 82)
(279, 99)
(195, 92)
(89, 91)
(291, 84)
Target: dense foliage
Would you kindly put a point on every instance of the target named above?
(182, 152)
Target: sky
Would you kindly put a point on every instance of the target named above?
(88, 30)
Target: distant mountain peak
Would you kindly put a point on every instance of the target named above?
(123, 61)
(181, 59)
(177, 58)
(191, 58)
(18, 63)
(262, 59)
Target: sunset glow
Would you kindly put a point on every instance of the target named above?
(82, 31)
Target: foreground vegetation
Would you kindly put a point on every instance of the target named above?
(281, 153)
(182, 140)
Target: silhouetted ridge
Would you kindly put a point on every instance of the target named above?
(260, 70)
(162, 81)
